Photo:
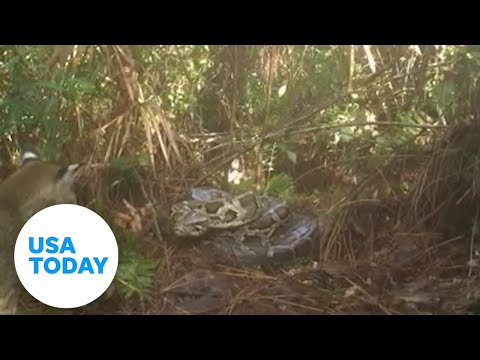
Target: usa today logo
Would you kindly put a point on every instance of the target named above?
(66, 256)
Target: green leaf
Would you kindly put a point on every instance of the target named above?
(48, 85)
(135, 275)
(121, 163)
(292, 156)
(84, 85)
(280, 185)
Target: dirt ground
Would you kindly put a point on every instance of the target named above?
(203, 285)
(388, 272)
(404, 281)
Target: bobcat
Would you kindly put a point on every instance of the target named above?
(36, 185)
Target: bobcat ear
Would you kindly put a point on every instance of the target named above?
(29, 152)
(29, 155)
(67, 174)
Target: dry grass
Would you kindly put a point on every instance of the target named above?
(383, 255)
(370, 260)
(412, 273)
(407, 273)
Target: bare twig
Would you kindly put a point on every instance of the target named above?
(370, 299)
(368, 123)
(269, 136)
(370, 58)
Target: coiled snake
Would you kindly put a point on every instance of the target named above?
(255, 228)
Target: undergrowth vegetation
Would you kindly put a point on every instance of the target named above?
(370, 132)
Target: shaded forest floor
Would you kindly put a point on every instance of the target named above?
(402, 273)
(410, 277)
(376, 254)
(416, 274)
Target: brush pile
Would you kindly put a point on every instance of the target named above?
(446, 198)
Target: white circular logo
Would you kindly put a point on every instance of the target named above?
(66, 256)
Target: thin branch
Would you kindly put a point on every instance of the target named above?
(275, 134)
(351, 67)
(269, 134)
(367, 123)
(370, 58)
